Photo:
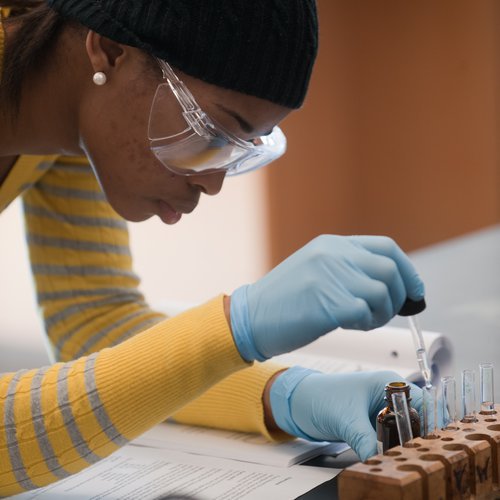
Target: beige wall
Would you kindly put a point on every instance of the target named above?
(218, 247)
(399, 133)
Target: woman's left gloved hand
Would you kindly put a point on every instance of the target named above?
(334, 407)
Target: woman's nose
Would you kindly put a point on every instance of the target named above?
(210, 184)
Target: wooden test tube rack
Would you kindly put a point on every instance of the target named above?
(460, 464)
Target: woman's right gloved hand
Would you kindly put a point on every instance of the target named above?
(355, 282)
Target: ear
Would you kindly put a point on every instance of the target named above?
(104, 54)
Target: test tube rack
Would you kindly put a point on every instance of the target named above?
(462, 463)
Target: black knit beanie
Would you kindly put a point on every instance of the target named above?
(264, 48)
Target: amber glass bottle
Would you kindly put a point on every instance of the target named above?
(387, 430)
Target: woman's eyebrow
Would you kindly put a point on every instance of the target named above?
(245, 126)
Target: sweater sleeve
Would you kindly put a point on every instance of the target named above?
(235, 403)
(88, 292)
(80, 259)
(59, 419)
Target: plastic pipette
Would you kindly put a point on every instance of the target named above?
(410, 309)
(422, 358)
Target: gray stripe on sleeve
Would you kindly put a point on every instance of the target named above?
(74, 433)
(97, 406)
(88, 246)
(76, 169)
(100, 334)
(16, 460)
(124, 336)
(64, 192)
(75, 220)
(69, 294)
(64, 314)
(49, 456)
(24, 187)
(85, 271)
(44, 165)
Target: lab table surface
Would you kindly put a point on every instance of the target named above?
(329, 490)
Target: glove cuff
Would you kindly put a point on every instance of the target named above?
(242, 329)
(280, 396)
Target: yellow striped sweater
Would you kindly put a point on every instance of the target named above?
(124, 367)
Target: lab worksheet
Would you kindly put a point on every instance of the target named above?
(245, 447)
(157, 474)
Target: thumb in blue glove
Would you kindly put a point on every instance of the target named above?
(334, 407)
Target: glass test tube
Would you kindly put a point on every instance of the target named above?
(469, 396)
(486, 388)
(449, 391)
(430, 409)
(400, 405)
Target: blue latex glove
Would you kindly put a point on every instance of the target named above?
(356, 282)
(334, 407)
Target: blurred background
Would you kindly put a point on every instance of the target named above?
(398, 136)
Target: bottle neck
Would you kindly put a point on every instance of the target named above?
(394, 387)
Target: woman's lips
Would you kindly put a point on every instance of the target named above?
(167, 214)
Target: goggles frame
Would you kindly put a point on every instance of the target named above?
(249, 155)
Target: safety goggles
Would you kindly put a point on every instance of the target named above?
(188, 142)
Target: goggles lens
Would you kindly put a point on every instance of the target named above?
(187, 142)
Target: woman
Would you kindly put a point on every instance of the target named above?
(165, 98)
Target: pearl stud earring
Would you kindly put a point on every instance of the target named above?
(99, 78)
